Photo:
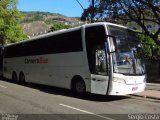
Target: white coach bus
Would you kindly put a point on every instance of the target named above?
(100, 58)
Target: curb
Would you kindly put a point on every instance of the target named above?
(156, 98)
(153, 84)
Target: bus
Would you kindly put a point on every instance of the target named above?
(99, 58)
(1, 60)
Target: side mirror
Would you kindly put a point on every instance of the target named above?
(112, 45)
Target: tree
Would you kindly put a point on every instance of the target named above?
(90, 12)
(10, 29)
(138, 11)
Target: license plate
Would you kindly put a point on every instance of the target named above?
(134, 88)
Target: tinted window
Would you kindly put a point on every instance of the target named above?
(62, 43)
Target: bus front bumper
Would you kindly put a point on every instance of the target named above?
(123, 89)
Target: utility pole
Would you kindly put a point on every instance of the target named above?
(92, 11)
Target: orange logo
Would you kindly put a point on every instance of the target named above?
(43, 60)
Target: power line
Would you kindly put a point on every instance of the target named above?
(82, 8)
(80, 4)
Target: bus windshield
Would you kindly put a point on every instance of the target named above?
(127, 60)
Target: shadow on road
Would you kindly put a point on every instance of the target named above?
(68, 93)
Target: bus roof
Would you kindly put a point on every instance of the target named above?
(105, 23)
(67, 30)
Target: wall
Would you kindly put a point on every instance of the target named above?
(153, 71)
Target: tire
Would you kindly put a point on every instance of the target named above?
(79, 87)
(14, 76)
(21, 78)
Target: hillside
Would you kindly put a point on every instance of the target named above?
(35, 23)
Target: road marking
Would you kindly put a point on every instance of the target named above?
(84, 111)
(3, 86)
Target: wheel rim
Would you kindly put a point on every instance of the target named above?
(22, 78)
(14, 77)
(80, 87)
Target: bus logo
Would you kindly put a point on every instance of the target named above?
(41, 60)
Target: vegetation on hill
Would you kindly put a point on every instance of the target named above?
(38, 16)
(58, 26)
(35, 23)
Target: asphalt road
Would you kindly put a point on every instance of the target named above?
(32, 101)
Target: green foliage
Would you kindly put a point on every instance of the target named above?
(15, 34)
(147, 43)
(140, 12)
(10, 30)
(150, 48)
(58, 26)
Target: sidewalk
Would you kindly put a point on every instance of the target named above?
(152, 91)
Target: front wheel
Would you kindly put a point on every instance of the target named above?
(79, 87)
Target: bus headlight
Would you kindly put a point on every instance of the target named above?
(119, 80)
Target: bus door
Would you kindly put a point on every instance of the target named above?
(95, 37)
(1, 61)
(100, 75)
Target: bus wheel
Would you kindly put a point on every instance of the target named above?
(21, 77)
(14, 76)
(79, 87)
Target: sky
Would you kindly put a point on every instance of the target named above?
(69, 8)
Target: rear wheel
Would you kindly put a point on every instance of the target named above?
(21, 78)
(14, 76)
